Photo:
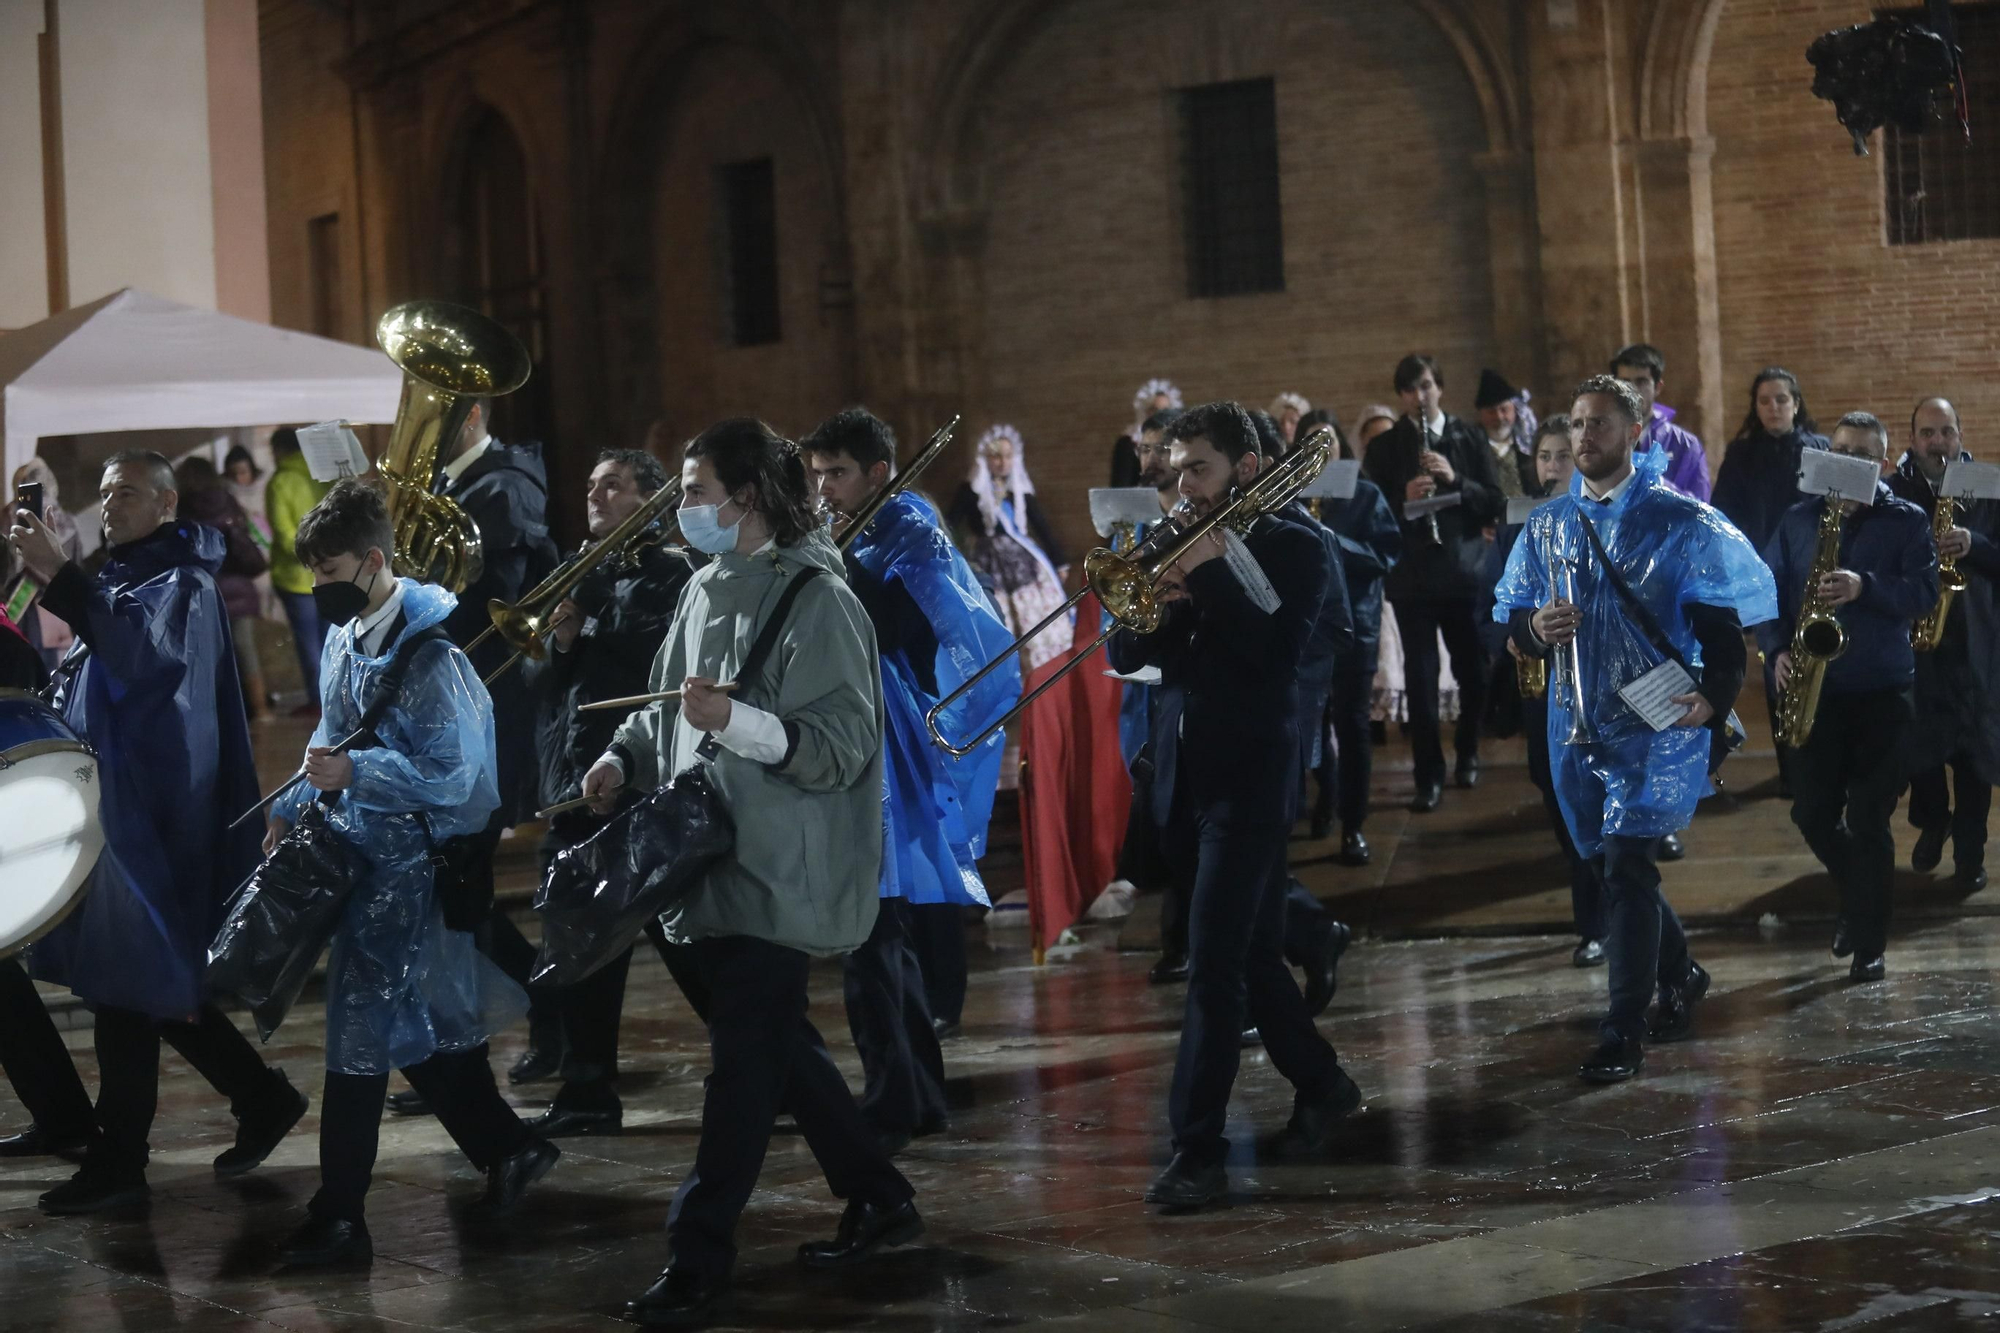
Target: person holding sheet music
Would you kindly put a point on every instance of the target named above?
(1632, 590)
(1848, 776)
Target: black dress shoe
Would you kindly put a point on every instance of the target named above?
(1670, 848)
(1313, 1119)
(328, 1242)
(260, 1131)
(1169, 970)
(946, 1028)
(96, 1190)
(534, 1065)
(508, 1180)
(1322, 978)
(1188, 1184)
(1972, 880)
(1842, 945)
(1251, 1038)
(864, 1229)
(408, 1102)
(1353, 848)
(1924, 857)
(1466, 775)
(678, 1298)
(931, 1125)
(560, 1122)
(1429, 796)
(1866, 969)
(1321, 828)
(1675, 1019)
(34, 1141)
(1590, 953)
(1615, 1060)
(893, 1141)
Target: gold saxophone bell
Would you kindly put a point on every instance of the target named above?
(450, 358)
(1926, 634)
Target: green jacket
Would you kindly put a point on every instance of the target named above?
(808, 849)
(289, 493)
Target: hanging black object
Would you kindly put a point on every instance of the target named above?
(1889, 72)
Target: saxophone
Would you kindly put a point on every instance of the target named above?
(1925, 634)
(1817, 639)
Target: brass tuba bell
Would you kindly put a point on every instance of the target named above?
(450, 357)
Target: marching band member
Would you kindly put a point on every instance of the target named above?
(796, 759)
(1955, 699)
(1644, 367)
(1153, 397)
(1659, 577)
(1225, 743)
(934, 626)
(1848, 776)
(154, 691)
(402, 990)
(606, 635)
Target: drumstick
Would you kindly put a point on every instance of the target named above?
(561, 806)
(636, 700)
(291, 782)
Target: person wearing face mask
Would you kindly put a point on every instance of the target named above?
(1958, 681)
(154, 690)
(402, 990)
(795, 754)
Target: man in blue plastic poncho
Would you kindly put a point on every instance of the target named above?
(152, 687)
(402, 990)
(1657, 576)
(934, 627)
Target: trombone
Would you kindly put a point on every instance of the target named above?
(925, 457)
(1128, 585)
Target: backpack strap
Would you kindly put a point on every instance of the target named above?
(387, 688)
(767, 639)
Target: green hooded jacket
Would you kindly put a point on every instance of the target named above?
(288, 495)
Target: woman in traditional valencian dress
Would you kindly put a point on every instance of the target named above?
(1007, 538)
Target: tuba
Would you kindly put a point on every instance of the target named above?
(450, 357)
(1817, 639)
(1925, 634)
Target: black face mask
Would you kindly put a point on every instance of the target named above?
(340, 603)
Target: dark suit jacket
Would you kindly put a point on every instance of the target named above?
(1450, 567)
(1225, 718)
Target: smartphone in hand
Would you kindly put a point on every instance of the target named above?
(28, 497)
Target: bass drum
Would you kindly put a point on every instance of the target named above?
(50, 835)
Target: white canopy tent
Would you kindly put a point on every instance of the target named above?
(133, 361)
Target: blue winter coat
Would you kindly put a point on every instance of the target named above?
(157, 697)
(935, 809)
(1371, 542)
(400, 987)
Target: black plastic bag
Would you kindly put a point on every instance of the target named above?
(600, 892)
(282, 918)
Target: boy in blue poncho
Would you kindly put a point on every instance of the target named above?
(402, 991)
(1621, 784)
(934, 627)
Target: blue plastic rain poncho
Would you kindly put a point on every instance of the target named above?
(399, 986)
(157, 697)
(1673, 552)
(935, 808)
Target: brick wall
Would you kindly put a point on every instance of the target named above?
(308, 159)
(1807, 278)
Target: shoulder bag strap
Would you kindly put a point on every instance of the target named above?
(1638, 610)
(767, 639)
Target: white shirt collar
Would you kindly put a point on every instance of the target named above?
(1590, 488)
(457, 466)
(371, 629)
(1436, 423)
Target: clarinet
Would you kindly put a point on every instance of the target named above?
(1424, 430)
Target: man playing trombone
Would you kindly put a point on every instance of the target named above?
(1628, 584)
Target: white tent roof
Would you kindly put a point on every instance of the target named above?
(133, 361)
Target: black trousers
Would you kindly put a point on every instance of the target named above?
(1932, 808)
(890, 1017)
(937, 933)
(128, 1075)
(1237, 977)
(1644, 945)
(1346, 771)
(1586, 895)
(501, 940)
(588, 1014)
(1420, 621)
(1846, 780)
(37, 1063)
(765, 1053)
(1306, 921)
(1139, 859)
(458, 1085)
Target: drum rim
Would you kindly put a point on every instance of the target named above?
(27, 750)
(34, 750)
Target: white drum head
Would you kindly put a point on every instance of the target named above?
(50, 838)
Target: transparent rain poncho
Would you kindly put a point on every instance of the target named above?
(400, 987)
(1672, 552)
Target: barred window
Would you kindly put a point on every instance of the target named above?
(1936, 186)
(1229, 172)
(748, 194)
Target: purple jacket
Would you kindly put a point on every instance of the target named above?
(1687, 461)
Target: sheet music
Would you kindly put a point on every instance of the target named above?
(1419, 508)
(1521, 506)
(1145, 675)
(1249, 573)
(1967, 480)
(1651, 695)
(1823, 472)
(331, 451)
(1336, 481)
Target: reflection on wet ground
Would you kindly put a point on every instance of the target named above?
(1821, 1157)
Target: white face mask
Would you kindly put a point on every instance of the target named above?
(703, 531)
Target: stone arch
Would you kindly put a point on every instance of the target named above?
(1673, 70)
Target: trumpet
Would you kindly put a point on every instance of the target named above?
(1571, 659)
(1928, 631)
(1128, 585)
(925, 457)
